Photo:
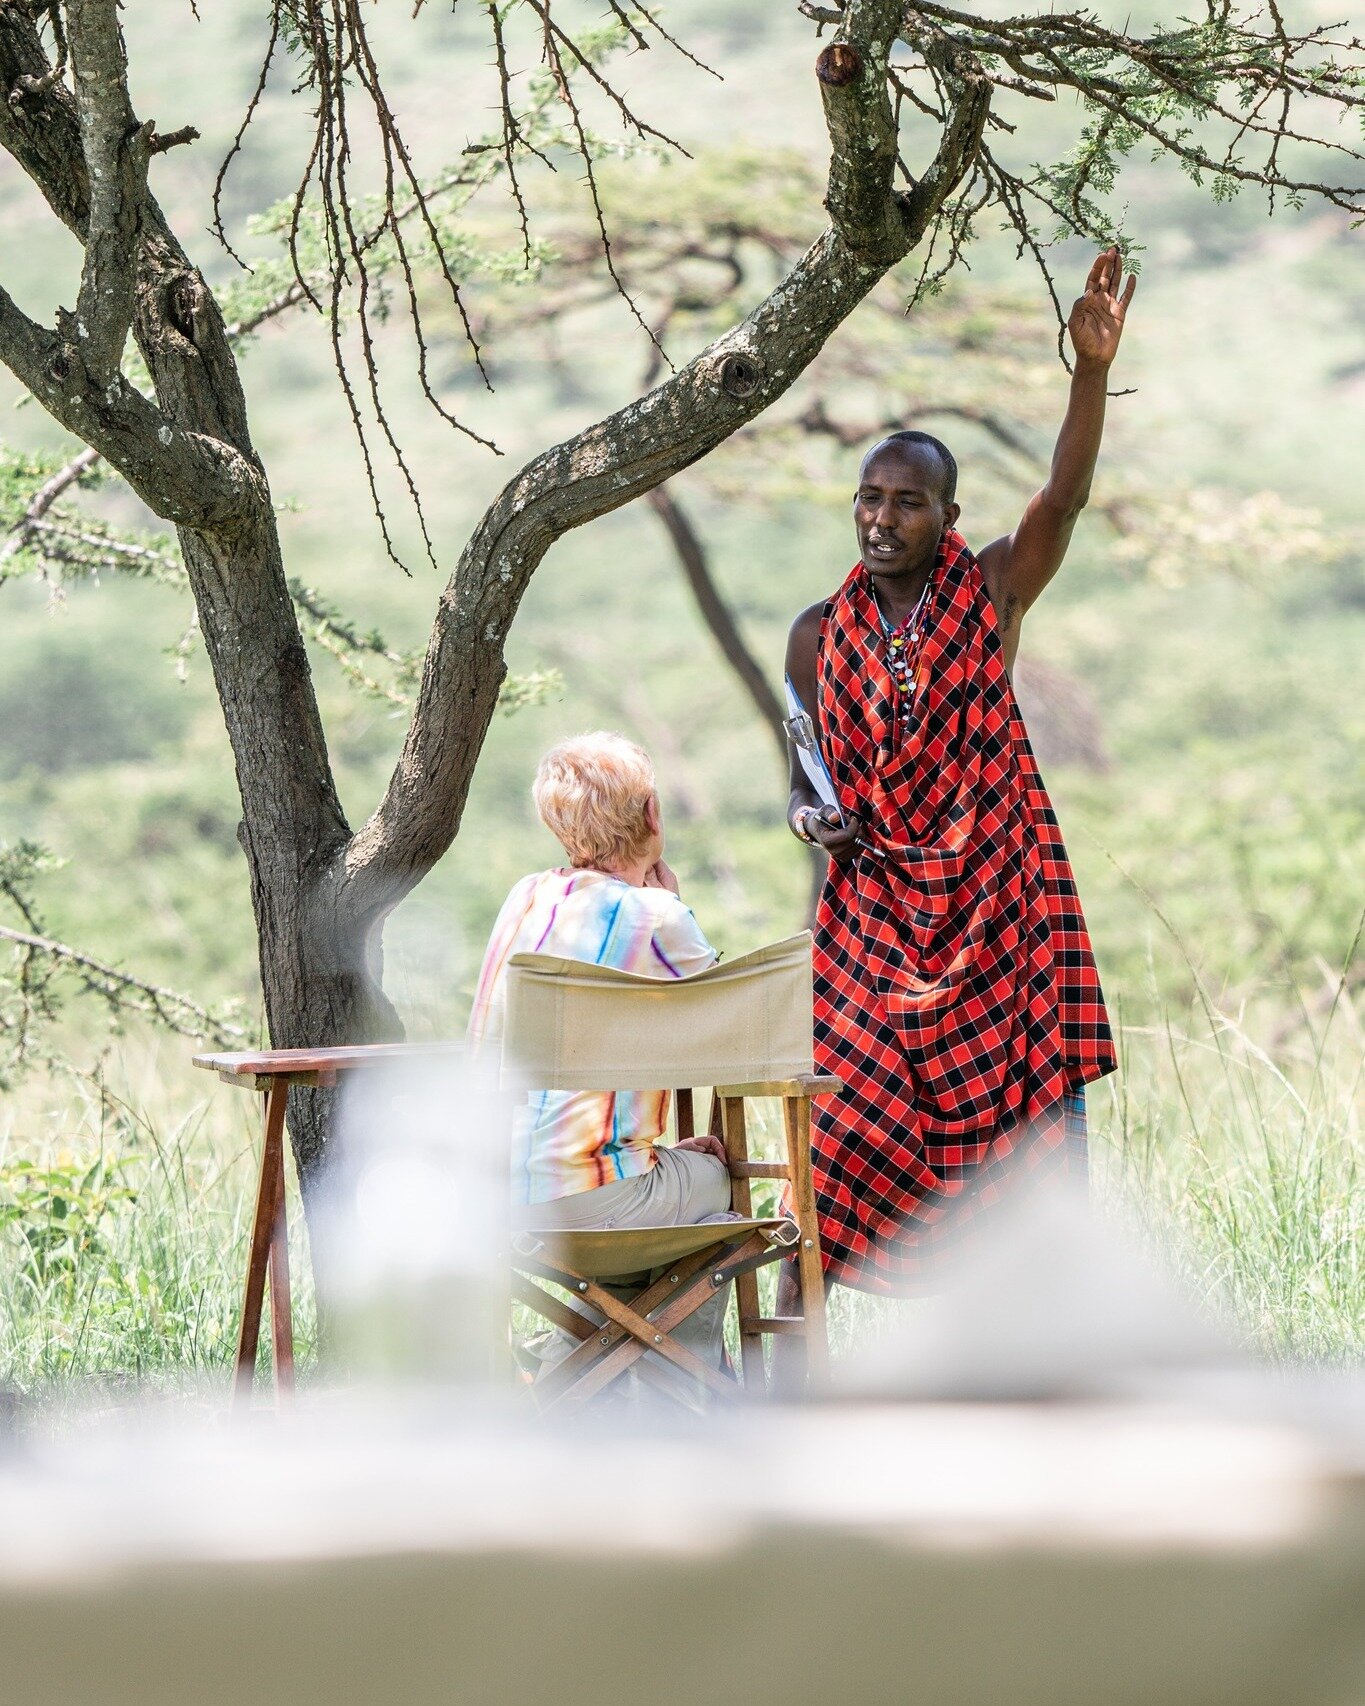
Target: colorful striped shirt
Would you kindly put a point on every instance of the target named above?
(571, 1141)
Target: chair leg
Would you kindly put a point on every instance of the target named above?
(551, 1308)
(652, 1336)
(262, 1231)
(746, 1286)
(581, 1327)
(810, 1269)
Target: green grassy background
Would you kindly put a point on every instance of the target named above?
(1220, 856)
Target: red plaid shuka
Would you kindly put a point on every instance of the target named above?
(956, 994)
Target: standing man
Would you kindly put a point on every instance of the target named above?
(956, 995)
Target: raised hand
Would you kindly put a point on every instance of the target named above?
(1096, 320)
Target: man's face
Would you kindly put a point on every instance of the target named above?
(899, 512)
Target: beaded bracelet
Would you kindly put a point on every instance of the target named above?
(797, 825)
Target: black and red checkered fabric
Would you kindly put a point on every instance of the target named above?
(956, 994)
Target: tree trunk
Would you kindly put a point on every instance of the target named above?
(320, 975)
(190, 457)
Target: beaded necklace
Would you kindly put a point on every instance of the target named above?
(898, 642)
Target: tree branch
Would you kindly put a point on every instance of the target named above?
(116, 149)
(691, 554)
(44, 498)
(186, 477)
(167, 1006)
(730, 382)
(862, 131)
(819, 423)
(190, 460)
(716, 613)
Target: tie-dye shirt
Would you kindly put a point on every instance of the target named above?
(571, 1141)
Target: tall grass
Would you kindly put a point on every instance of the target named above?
(125, 1219)
(125, 1235)
(1246, 1172)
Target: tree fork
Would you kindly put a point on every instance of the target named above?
(626, 455)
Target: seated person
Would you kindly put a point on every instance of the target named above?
(584, 1159)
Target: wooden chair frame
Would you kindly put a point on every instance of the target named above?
(630, 1333)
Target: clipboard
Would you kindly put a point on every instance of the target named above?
(801, 733)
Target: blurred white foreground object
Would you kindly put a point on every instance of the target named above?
(273, 1073)
(940, 1555)
(1050, 1301)
(410, 1231)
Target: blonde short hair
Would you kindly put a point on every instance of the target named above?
(591, 793)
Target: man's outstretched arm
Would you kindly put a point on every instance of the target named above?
(1018, 567)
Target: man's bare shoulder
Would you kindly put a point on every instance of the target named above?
(804, 636)
(803, 652)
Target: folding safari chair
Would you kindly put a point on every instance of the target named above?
(743, 1028)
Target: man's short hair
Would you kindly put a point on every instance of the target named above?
(947, 461)
(591, 793)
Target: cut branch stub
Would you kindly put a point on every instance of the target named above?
(839, 65)
(161, 144)
(740, 375)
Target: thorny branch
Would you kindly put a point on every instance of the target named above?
(331, 43)
(30, 997)
(120, 990)
(43, 499)
(1201, 93)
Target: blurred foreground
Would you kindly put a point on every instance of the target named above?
(1139, 1516)
(869, 1554)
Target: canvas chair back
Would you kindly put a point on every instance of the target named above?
(572, 1026)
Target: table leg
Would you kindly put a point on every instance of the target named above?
(269, 1193)
(281, 1313)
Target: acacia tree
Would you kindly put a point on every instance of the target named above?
(171, 420)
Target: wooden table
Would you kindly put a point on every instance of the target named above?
(271, 1072)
